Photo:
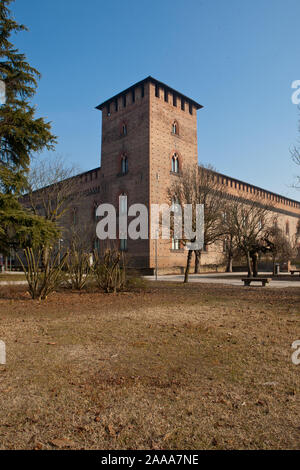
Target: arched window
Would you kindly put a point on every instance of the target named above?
(96, 244)
(175, 244)
(124, 129)
(123, 244)
(124, 165)
(175, 163)
(175, 128)
(123, 212)
(94, 213)
(75, 216)
(123, 203)
(287, 228)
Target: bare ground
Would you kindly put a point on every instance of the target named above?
(172, 367)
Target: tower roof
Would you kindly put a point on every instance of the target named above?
(156, 82)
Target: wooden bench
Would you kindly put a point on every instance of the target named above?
(293, 271)
(264, 280)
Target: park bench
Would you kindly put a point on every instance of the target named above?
(293, 271)
(264, 280)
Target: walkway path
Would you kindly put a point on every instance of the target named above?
(233, 279)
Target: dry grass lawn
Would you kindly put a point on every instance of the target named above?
(171, 367)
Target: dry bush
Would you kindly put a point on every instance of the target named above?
(41, 282)
(79, 267)
(110, 270)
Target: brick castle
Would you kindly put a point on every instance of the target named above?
(149, 132)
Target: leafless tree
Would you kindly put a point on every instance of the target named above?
(248, 222)
(52, 187)
(281, 247)
(200, 185)
(52, 190)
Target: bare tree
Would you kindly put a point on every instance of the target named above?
(248, 222)
(281, 248)
(231, 250)
(200, 185)
(52, 189)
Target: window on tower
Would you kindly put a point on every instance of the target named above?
(124, 129)
(123, 203)
(123, 244)
(124, 165)
(175, 163)
(175, 128)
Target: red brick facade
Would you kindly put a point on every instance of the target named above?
(139, 123)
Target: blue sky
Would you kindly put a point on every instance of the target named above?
(238, 58)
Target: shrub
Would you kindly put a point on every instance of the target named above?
(110, 270)
(41, 282)
(79, 267)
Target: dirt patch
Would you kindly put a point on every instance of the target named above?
(172, 367)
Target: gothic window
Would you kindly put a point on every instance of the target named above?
(97, 244)
(175, 244)
(175, 128)
(75, 216)
(175, 163)
(124, 165)
(123, 203)
(124, 129)
(123, 244)
(287, 228)
(95, 206)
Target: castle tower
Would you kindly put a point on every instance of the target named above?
(149, 132)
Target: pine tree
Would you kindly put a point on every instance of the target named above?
(21, 135)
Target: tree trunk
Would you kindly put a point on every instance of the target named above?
(197, 261)
(45, 258)
(255, 264)
(229, 263)
(274, 266)
(188, 265)
(249, 264)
